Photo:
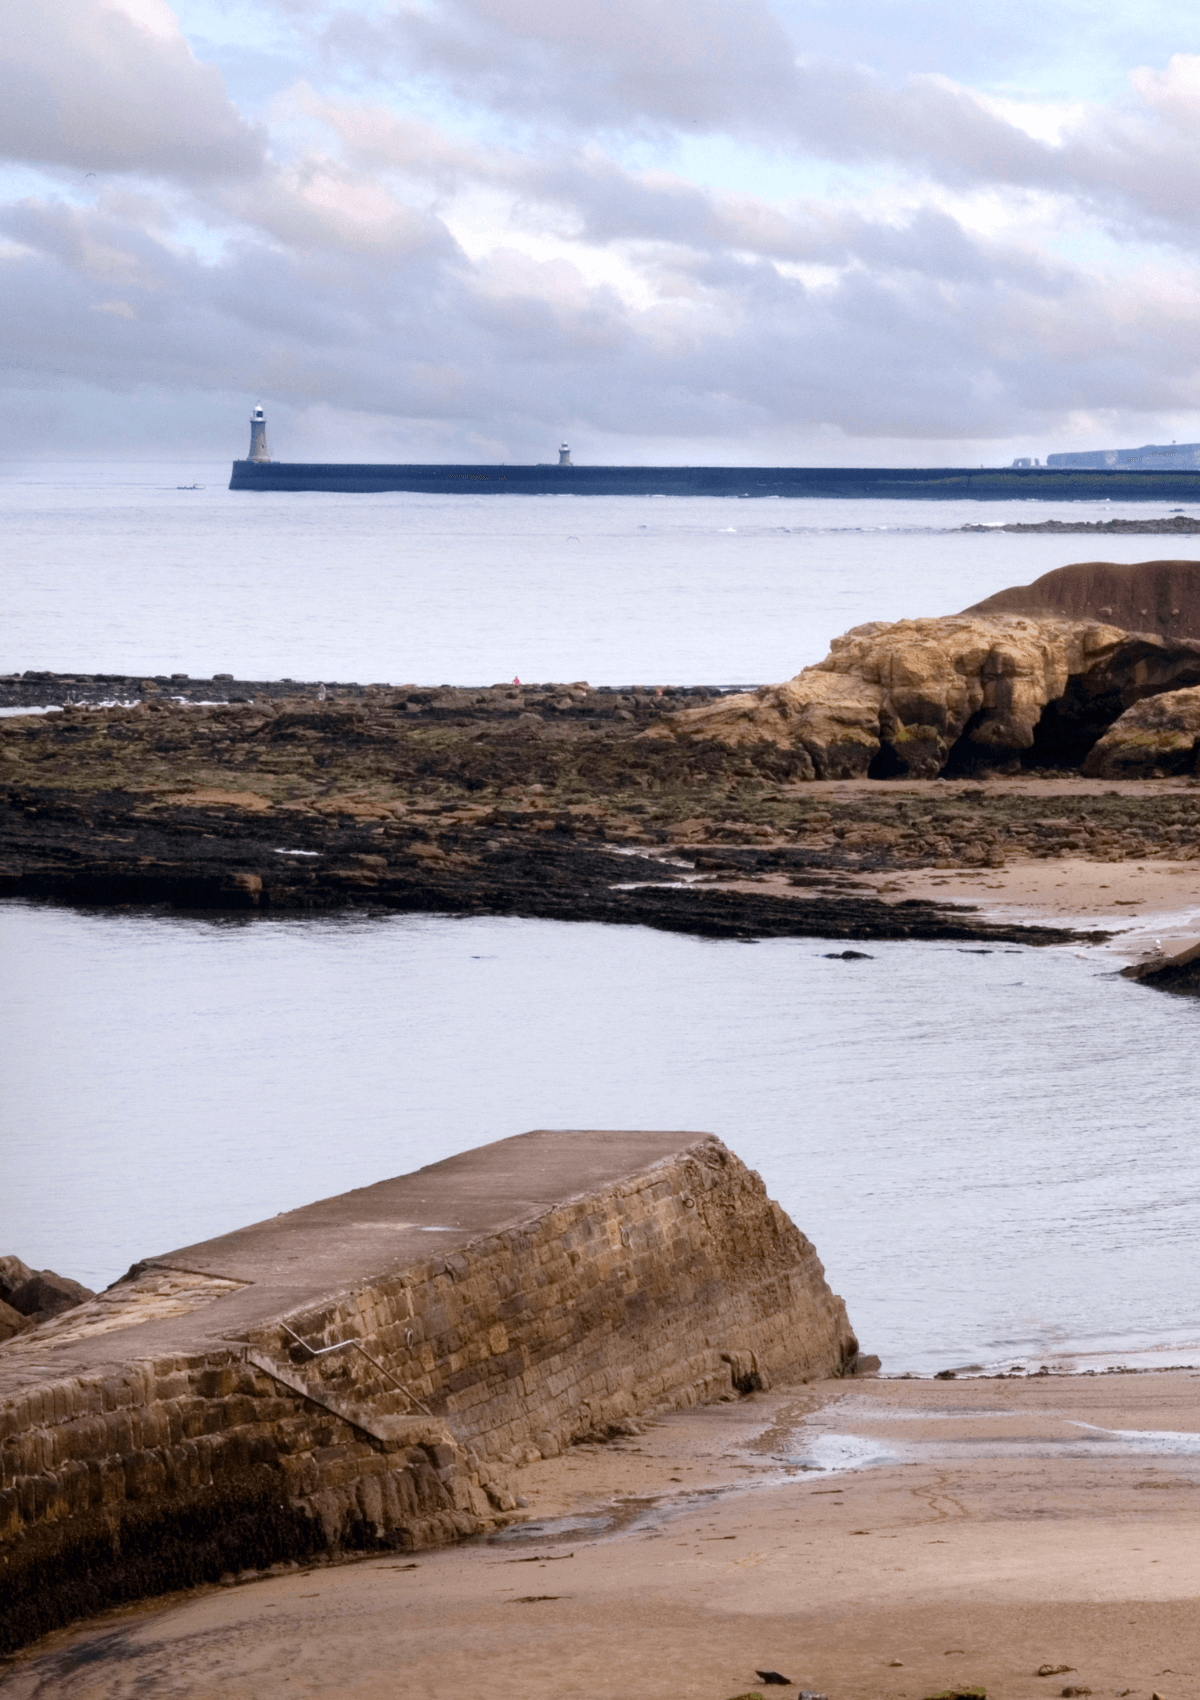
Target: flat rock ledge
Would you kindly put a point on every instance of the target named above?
(1178, 973)
(368, 1373)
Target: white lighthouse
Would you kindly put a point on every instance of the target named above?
(258, 435)
(564, 455)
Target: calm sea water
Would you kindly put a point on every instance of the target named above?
(995, 1154)
(114, 569)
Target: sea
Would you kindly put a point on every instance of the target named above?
(995, 1152)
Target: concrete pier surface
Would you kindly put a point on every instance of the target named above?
(367, 1372)
(273, 1268)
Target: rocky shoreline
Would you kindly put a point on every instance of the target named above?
(36, 689)
(493, 802)
(751, 814)
(118, 850)
(1174, 525)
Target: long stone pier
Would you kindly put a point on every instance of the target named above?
(369, 1371)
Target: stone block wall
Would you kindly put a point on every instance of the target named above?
(665, 1289)
(679, 1284)
(168, 1473)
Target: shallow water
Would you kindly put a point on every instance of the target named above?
(115, 569)
(994, 1154)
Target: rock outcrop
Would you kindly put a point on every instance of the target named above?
(1175, 525)
(1155, 739)
(13, 1274)
(1141, 667)
(1179, 973)
(29, 1296)
(912, 698)
(1162, 597)
(11, 1322)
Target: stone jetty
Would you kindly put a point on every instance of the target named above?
(370, 1372)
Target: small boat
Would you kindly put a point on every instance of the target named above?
(189, 486)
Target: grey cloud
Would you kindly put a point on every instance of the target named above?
(923, 333)
(590, 198)
(82, 85)
(729, 66)
(681, 63)
(684, 65)
(611, 205)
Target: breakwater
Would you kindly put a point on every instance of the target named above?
(939, 483)
(369, 1372)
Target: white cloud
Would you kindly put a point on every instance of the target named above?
(665, 62)
(514, 253)
(112, 86)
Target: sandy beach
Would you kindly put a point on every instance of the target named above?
(1003, 1526)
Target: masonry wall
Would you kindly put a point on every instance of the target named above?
(680, 1284)
(665, 1289)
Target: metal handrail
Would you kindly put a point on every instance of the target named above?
(322, 1351)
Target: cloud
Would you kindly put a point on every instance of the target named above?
(913, 328)
(681, 63)
(964, 279)
(112, 86)
(729, 67)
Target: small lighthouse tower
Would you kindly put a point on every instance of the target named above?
(564, 456)
(258, 435)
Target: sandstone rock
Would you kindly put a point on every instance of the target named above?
(1155, 738)
(1140, 666)
(1162, 597)
(899, 699)
(11, 1321)
(46, 1294)
(13, 1274)
(1179, 973)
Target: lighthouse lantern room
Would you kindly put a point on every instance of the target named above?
(258, 435)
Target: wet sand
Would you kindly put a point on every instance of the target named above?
(1140, 904)
(1148, 907)
(1007, 1524)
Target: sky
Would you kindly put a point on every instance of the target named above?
(856, 232)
